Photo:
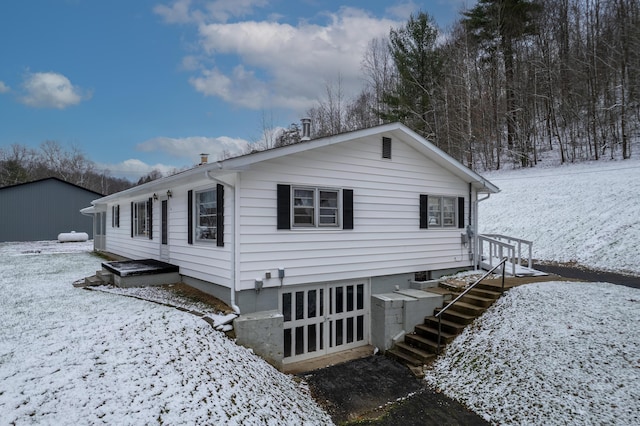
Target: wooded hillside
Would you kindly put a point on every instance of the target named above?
(19, 164)
(511, 80)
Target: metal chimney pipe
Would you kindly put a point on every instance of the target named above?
(306, 129)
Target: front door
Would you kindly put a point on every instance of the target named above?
(323, 319)
(164, 230)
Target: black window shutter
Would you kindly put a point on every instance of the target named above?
(284, 207)
(113, 216)
(424, 224)
(347, 209)
(118, 216)
(220, 215)
(190, 217)
(150, 215)
(460, 212)
(132, 219)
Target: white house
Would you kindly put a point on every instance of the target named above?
(298, 239)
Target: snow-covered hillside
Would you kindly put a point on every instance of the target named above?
(588, 212)
(552, 353)
(71, 356)
(557, 352)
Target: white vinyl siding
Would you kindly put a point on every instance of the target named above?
(385, 238)
(206, 262)
(119, 241)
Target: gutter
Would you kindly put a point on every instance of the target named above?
(236, 237)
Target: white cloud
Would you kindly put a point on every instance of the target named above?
(181, 12)
(240, 88)
(3, 87)
(269, 64)
(178, 13)
(51, 90)
(190, 148)
(403, 10)
(285, 65)
(184, 154)
(223, 10)
(190, 63)
(133, 169)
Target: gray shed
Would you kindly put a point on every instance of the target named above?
(42, 209)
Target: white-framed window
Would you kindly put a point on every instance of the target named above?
(115, 216)
(140, 219)
(315, 207)
(441, 212)
(206, 212)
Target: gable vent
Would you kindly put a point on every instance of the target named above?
(386, 147)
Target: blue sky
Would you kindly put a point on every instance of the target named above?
(141, 84)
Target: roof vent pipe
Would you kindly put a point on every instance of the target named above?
(306, 129)
(204, 159)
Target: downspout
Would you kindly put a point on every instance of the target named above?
(234, 252)
(476, 242)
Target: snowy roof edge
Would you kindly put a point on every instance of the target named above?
(237, 164)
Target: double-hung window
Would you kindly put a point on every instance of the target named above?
(441, 212)
(141, 218)
(206, 215)
(315, 207)
(115, 216)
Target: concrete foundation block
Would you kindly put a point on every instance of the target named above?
(395, 314)
(422, 305)
(263, 333)
(387, 318)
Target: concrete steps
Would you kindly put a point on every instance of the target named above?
(431, 332)
(453, 315)
(411, 355)
(100, 278)
(421, 346)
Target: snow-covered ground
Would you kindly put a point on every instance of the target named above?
(72, 356)
(551, 353)
(588, 212)
(557, 352)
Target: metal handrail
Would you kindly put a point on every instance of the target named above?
(467, 290)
